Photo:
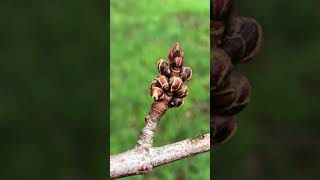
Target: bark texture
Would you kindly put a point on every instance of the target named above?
(158, 109)
(141, 160)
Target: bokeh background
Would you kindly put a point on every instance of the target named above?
(278, 133)
(53, 82)
(141, 33)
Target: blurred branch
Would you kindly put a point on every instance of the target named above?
(141, 160)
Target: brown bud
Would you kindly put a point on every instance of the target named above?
(220, 9)
(175, 102)
(175, 71)
(175, 83)
(220, 67)
(175, 52)
(157, 93)
(222, 99)
(222, 128)
(186, 73)
(176, 66)
(163, 82)
(154, 83)
(232, 98)
(177, 62)
(242, 39)
(164, 68)
(182, 91)
(219, 15)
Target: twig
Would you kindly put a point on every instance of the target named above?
(142, 160)
(158, 109)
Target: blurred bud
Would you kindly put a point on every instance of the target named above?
(243, 39)
(217, 29)
(222, 128)
(220, 67)
(222, 99)
(232, 98)
(220, 9)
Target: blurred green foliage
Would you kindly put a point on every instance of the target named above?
(52, 90)
(278, 133)
(141, 33)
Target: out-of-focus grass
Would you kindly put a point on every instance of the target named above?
(141, 33)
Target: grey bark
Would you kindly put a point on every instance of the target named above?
(141, 160)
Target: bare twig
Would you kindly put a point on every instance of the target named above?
(141, 160)
(158, 109)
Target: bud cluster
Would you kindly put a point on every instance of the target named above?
(234, 40)
(170, 82)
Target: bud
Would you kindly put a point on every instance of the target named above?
(182, 91)
(163, 82)
(222, 128)
(186, 73)
(220, 67)
(164, 68)
(154, 83)
(175, 52)
(242, 39)
(220, 9)
(175, 83)
(157, 93)
(175, 102)
(175, 71)
(232, 98)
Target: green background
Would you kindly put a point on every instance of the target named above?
(141, 33)
(278, 133)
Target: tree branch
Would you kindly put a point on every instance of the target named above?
(141, 160)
